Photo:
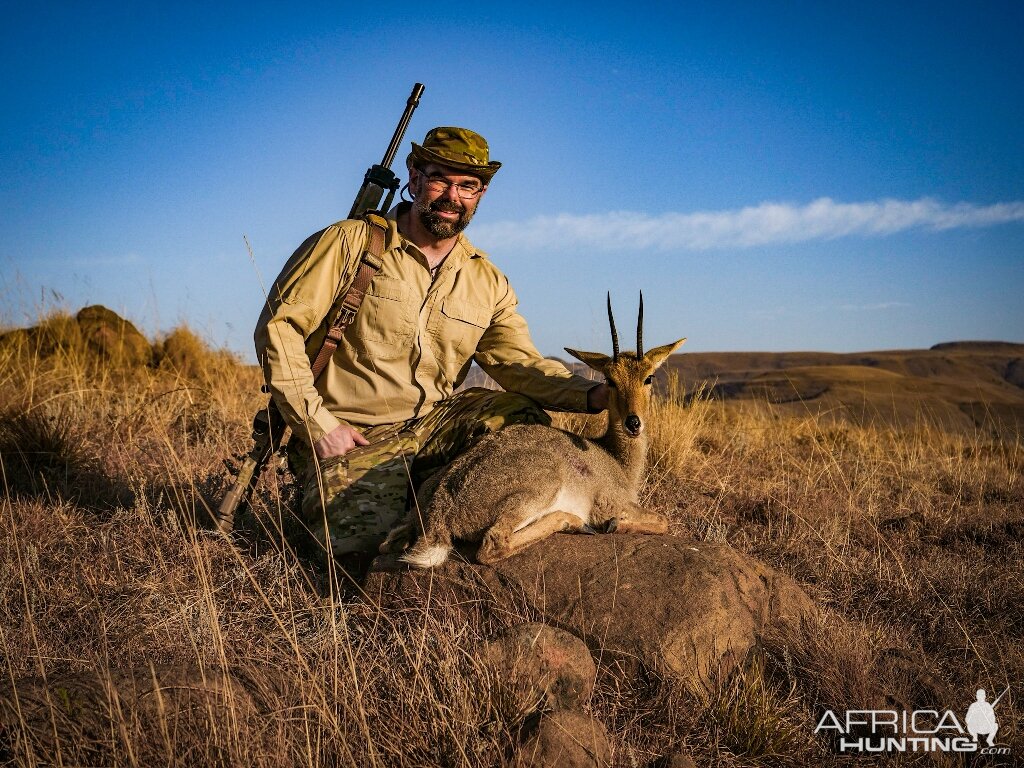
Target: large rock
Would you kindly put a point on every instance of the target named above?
(565, 739)
(691, 608)
(543, 667)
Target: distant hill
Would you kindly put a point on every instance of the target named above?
(966, 386)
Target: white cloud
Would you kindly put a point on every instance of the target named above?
(764, 224)
(874, 307)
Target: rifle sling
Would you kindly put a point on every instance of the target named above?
(369, 265)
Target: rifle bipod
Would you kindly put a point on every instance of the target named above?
(268, 430)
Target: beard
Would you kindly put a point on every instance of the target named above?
(437, 225)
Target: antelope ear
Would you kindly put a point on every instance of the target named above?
(659, 355)
(595, 360)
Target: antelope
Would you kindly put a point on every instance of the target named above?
(520, 485)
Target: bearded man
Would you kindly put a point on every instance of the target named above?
(384, 415)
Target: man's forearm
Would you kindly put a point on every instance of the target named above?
(286, 370)
(547, 381)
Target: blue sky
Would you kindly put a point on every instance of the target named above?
(773, 177)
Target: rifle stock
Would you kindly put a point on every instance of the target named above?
(268, 426)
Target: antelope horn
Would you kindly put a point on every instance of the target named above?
(640, 329)
(615, 336)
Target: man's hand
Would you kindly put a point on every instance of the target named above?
(597, 398)
(338, 442)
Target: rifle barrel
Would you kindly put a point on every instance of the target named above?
(410, 107)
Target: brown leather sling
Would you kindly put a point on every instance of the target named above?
(268, 425)
(369, 265)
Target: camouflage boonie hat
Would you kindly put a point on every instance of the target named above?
(458, 148)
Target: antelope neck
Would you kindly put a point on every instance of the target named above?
(630, 452)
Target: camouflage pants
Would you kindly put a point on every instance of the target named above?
(351, 502)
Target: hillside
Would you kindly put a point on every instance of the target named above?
(963, 386)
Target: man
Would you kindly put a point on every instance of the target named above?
(383, 415)
(981, 718)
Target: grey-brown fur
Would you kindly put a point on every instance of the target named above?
(522, 484)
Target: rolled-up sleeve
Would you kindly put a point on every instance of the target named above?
(507, 354)
(299, 301)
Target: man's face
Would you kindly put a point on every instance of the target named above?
(445, 199)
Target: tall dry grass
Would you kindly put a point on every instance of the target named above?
(131, 635)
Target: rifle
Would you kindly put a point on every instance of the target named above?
(1000, 697)
(268, 426)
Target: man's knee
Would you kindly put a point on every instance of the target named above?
(496, 409)
(460, 421)
(351, 503)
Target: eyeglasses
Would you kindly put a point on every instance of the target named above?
(438, 183)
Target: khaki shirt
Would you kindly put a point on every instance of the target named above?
(412, 341)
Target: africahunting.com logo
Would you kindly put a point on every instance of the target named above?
(923, 730)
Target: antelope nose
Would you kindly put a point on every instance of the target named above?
(633, 424)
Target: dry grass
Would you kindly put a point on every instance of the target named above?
(131, 636)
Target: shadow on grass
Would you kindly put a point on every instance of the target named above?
(45, 456)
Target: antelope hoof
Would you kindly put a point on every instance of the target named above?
(587, 530)
(612, 525)
(397, 541)
(492, 549)
(489, 556)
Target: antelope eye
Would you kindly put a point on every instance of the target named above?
(611, 384)
(649, 379)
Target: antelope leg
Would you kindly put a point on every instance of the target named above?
(638, 521)
(497, 545)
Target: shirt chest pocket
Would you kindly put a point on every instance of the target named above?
(462, 325)
(384, 325)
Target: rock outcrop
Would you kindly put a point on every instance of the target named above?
(113, 338)
(549, 675)
(95, 332)
(691, 608)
